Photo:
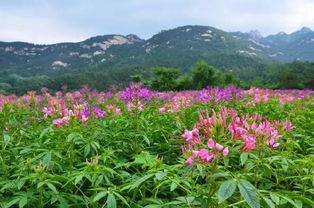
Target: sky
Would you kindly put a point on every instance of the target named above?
(53, 21)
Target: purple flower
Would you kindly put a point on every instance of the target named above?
(136, 92)
(98, 112)
(219, 94)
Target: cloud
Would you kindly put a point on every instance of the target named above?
(49, 21)
(37, 30)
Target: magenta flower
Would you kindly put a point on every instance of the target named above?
(249, 143)
(203, 154)
(192, 136)
(225, 152)
(219, 147)
(190, 161)
(61, 121)
(211, 144)
(98, 112)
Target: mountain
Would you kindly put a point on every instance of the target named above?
(179, 47)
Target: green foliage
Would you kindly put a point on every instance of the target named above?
(135, 160)
(164, 78)
(203, 75)
(226, 190)
(249, 193)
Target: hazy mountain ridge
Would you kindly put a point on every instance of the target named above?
(179, 47)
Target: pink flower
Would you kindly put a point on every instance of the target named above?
(187, 135)
(48, 111)
(61, 121)
(162, 110)
(225, 152)
(117, 111)
(288, 125)
(191, 136)
(204, 155)
(195, 152)
(211, 144)
(130, 106)
(195, 132)
(219, 147)
(276, 145)
(190, 161)
(237, 131)
(84, 118)
(249, 143)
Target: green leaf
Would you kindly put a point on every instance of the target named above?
(275, 198)
(86, 150)
(160, 175)
(78, 179)
(243, 158)
(219, 175)
(111, 201)
(52, 187)
(20, 184)
(12, 202)
(269, 202)
(141, 180)
(291, 201)
(121, 198)
(22, 202)
(153, 206)
(47, 159)
(99, 196)
(146, 140)
(26, 150)
(44, 132)
(6, 139)
(40, 184)
(249, 193)
(226, 190)
(173, 186)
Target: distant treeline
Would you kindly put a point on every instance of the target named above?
(296, 75)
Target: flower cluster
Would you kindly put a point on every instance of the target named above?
(251, 132)
(176, 105)
(220, 94)
(135, 95)
(283, 96)
(81, 112)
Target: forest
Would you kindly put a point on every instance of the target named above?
(295, 75)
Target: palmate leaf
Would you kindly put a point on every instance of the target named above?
(249, 193)
(226, 190)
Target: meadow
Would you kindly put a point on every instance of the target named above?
(140, 148)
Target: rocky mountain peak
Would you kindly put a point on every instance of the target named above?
(255, 34)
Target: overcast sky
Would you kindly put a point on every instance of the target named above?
(51, 21)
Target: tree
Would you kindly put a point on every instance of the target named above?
(289, 80)
(184, 82)
(230, 79)
(203, 75)
(137, 78)
(164, 78)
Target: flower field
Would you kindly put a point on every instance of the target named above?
(139, 148)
